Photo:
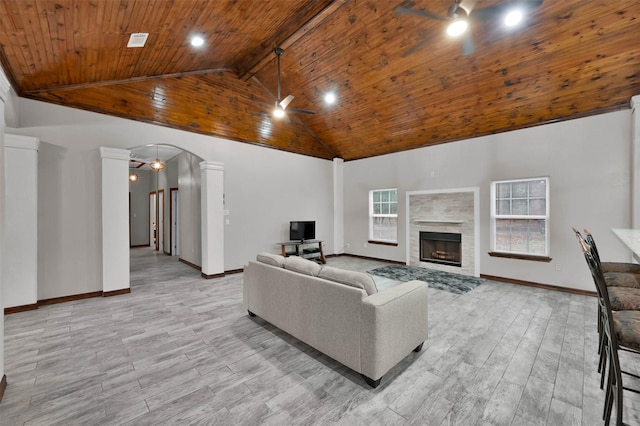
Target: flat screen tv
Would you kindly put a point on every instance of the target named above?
(302, 230)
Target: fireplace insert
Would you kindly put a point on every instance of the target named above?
(444, 248)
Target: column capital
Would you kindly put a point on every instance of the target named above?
(21, 142)
(115, 153)
(5, 86)
(211, 165)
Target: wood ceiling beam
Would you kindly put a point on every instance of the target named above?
(266, 56)
(125, 80)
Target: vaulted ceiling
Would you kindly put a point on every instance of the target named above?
(400, 82)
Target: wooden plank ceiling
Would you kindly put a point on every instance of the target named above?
(568, 59)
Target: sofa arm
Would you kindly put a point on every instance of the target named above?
(393, 323)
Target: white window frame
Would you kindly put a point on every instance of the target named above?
(372, 215)
(545, 217)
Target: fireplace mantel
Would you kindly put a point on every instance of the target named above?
(443, 221)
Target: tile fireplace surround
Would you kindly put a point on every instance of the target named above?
(447, 210)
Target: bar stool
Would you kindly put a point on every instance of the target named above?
(618, 328)
(616, 274)
(625, 304)
(623, 288)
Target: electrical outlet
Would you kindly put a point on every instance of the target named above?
(558, 267)
(347, 245)
(364, 245)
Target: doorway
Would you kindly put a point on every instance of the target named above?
(152, 220)
(160, 216)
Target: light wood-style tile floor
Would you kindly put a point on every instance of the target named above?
(181, 350)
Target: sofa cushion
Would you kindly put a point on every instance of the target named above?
(351, 278)
(270, 259)
(301, 265)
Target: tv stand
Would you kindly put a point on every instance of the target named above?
(297, 248)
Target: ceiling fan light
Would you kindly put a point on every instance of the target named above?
(457, 27)
(513, 18)
(278, 112)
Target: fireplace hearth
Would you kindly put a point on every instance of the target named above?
(443, 248)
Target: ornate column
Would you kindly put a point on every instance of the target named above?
(20, 289)
(4, 94)
(212, 197)
(635, 162)
(338, 206)
(115, 221)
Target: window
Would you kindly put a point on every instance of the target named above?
(383, 215)
(520, 216)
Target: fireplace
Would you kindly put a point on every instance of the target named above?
(444, 248)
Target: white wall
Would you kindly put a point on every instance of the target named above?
(139, 213)
(69, 216)
(189, 203)
(264, 190)
(170, 180)
(586, 159)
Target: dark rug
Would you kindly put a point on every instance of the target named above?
(447, 281)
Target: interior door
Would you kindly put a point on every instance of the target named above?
(152, 220)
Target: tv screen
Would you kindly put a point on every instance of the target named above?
(302, 230)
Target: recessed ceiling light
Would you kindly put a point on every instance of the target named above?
(197, 41)
(513, 18)
(330, 98)
(457, 27)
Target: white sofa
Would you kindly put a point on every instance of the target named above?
(338, 312)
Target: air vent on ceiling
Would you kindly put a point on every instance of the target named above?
(137, 39)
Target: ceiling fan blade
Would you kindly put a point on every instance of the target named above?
(468, 46)
(301, 111)
(468, 5)
(486, 13)
(420, 13)
(490, 12)
(286, 101)
(418, 46)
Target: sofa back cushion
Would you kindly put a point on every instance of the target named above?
(270, 259)
(351, 278)
(301, 265)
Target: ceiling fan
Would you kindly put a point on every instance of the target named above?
(281, 104)
(461, 12)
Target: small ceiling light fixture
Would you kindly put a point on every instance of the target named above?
(157, 165)
(330, 98)
(197, 41)
(459, 16)
(513, 18)
(278, 111)
(133, 178)
(457, 27)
